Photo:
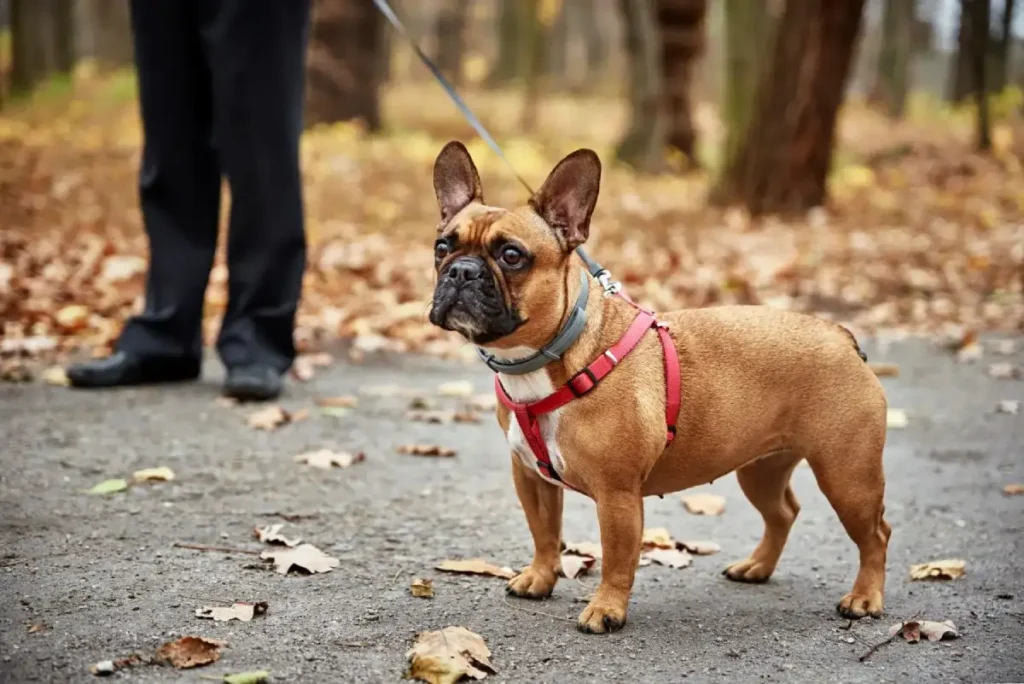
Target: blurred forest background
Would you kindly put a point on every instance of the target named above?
(857, 159)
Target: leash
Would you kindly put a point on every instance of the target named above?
(599, 272)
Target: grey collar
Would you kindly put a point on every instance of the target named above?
(554, 349)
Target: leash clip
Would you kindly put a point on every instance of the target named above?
(610, 287)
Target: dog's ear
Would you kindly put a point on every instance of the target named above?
(456, 180)
(567, 198)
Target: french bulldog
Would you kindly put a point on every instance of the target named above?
(757, 391)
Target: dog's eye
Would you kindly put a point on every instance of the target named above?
(511, 256)
(441, 249)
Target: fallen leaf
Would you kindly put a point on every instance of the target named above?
(55, 375)
(448, 655)
(236, 611)
(885, 370)
(938, 570)
(657, 538)
(439, 417)
(36, 628)
(968, 349)
(269, 418)
(1004, 371)
(255, 677)
(1011, 406)
(426, 450)
(482, 402)
(913, 630)
(466, 417)
(572, 565)
(457, 388)
(422, 588)
(673, 558)
(159, 474)
(337, 402)
(72, 318)
(303, 557)
(102, 668)
(189, 651)
(700, 548)
(1013, 489)
(475, 566)
(113, 486)
(704, 504)
(327, 459)
(591, 549)
(271, 534)
(896, 419)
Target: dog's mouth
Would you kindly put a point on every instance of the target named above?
(474, 310)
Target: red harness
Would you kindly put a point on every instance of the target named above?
(527, 413)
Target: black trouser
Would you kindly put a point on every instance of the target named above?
(221, 88)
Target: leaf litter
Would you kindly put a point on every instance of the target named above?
(422, 588)
(271, 534)
(305, 558)
(112, 486)
(448, 655)
(704, 504)
(913, 630)
(425, 450)
(189, 651)
(158, 474)
(949, 569)
(476, 566)
(327, 459)
(238, 610)
(269, 418)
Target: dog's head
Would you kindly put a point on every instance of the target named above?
(502, 274)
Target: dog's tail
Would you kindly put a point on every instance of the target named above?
(860, 352)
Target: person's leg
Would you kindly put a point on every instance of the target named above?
(256, 52)
(179, 186)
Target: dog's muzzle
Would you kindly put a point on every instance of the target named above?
(468, 301)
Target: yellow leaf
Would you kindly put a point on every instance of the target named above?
(449, 655)
(952, 568)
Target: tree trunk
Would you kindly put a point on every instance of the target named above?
(105, 32)
(595, 42)
(681, 25)
(980, 17)
(1000, 77)
(450, 34)
(343, 67)
(644, 143)
(506, 67)
(533, 39)
(42, 42)
(748, 27)
(891, 82)
(783, 163)
(963, 71)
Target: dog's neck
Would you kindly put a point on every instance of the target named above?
(542, 382)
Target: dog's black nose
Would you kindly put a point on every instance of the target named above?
(464, 269)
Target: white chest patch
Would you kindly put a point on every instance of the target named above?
(526, 388)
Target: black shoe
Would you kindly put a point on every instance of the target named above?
(252, 383)
(122, 368)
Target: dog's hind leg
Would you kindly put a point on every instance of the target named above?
(766, 484)
(853, 482)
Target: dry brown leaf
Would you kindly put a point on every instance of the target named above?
(673, 558)
(271, 534)
(457, 388)
(435, 416)
(949, 569)
(425, 450)
(573, 565)
(1011, 406)
(269, 418)
(337, 402)
(189, 651)
(476, 566)
(1013, 489)
(591, 549)
(327, 459)
(704, 504)
(449, 655)
(72, 318)
(657, 538)
(303, 557)
(700, 548)
(236, 611)
(422, 588)
(55, 375)
(35, 628)
(1004, 371)
(896, 419)
(913, 630)
(885, 370)
(158, 474)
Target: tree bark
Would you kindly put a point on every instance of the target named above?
(42, 41)
(980, 17)
(506, 66)
(963, 71)
(105, 32)
(783, 163)
(1000, 77)
(891, 82)
(644, 143)
(533, 39)
(343, 68)
(681, 24)
(450, 38)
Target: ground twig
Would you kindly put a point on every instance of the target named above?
(536, 612)
(223, 549)
(877, 646)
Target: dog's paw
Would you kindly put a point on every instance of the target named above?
(601, 618)
(855, 606)
(749, 570)
(532, 583)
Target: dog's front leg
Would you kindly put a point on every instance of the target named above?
(621, 517)
(542, 503)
